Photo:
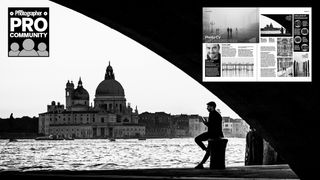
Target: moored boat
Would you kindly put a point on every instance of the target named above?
(50, 137)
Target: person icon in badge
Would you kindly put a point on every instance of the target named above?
(42, 49)
(28, 50)
(14, 49)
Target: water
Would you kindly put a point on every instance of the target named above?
(102, 154)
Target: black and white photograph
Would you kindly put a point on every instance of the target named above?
(105, 102)
(301, 64)
(275, 25)
(230, 25)
(212, 59)
(284, 46)
(118, 92)
(284, 67)
(237, 67)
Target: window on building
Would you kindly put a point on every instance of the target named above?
(102, 120)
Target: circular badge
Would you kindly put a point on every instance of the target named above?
(304, 31)
(297, 23)
(305, 47)
(297, 39)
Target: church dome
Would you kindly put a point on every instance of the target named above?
(109, 86)
(80, 93)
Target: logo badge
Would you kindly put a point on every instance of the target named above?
(28, 32)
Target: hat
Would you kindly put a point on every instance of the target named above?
(211, 103)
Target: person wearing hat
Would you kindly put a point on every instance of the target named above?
(214, 125)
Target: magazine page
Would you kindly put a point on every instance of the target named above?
(256, 44)
(285, 41)
(230, 37)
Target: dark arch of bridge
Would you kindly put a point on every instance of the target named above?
(283, 113)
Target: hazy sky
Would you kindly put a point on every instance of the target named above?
(231, 17)
(80, 46)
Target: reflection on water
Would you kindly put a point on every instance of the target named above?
(94, 154)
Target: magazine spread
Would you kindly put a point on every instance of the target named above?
(256, 44)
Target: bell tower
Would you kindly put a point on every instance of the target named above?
(69, 92)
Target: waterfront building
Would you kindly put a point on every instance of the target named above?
(181, 125)
(163, 125)
(196, 126)
(158, 124)
(110, 117)
(234, 127)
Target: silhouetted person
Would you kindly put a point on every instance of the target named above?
(254, 148)
(281, 30)
(236, 32)
(214, 125)
(230, 32)
(11, 116)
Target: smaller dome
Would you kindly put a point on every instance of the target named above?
(80, 94)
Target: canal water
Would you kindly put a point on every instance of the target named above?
(102, 154)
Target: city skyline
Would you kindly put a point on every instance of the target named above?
(83, 48)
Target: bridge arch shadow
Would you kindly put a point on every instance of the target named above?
(281, 112)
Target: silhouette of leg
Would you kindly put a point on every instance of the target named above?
(207, 155)
(200, 138)
(205, 158)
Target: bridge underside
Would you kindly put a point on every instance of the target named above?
(281, 112)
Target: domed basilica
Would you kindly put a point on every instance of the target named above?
(110, 117)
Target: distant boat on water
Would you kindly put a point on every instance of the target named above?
(13, 140)
(142, 138)
(112, 139)
(69, 138)
(51, 137)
